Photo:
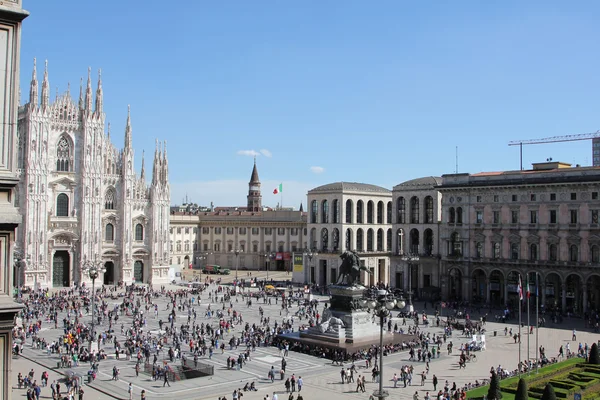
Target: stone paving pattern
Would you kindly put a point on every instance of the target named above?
(321, 378)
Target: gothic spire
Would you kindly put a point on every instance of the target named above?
(88, 92)
(155, 165)
(99, 96)
(33, 89)
(128, 129)
(45, 88)
(81, 93)
(143, 173)
(165, 164)
(108, 132)
(301, 208)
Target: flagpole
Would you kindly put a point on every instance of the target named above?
(537, 322)
(528, 323)
(519, 331)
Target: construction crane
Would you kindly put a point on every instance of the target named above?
(554, 139)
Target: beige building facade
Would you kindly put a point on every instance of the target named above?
(542, 223)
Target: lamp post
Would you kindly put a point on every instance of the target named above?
(309, 254)
(94, 268)
(237, 261)
(410, 259)
(268, 257)
(381, 302)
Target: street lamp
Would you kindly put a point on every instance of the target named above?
(268, 257)
(237, 261)
(94, 269)
(410, 259)
(381, 302)
(309, 254)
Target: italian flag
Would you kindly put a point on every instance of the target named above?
(528, 291)
(278, 189)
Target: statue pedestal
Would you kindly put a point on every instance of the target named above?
(358, 324)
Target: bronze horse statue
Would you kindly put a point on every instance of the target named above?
(350, 268)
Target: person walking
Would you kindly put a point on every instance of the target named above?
(166, 382)
(130, 391)
(435, 382)
(143, 395)
(300, 383)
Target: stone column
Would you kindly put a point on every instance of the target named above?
(585, 298)
(563, 288)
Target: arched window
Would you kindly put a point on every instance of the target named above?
(414, 210)
(459, 215)
(139, 232)
(64, 154)
(109, 200)
(595, 256)
(313, 212)
(62, 205)
(370, 213)
(349, 239)
(380, 212)
(324, 239)
(533, 251)
(370, 240)
(335, 239)
(428, 242)
(359, 212)
(388, 244)
(573, 253)
(324, 212)
(401, 204)
(379, 239)
(336, 211)
(514, 251)
(313, 238)
(451, 215)
(389, 212)
(109, 235)
(349, 209)
(414, 241)
(359, 240)
(552, 252)
(429, 210)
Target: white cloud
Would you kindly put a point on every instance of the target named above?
(266, 153)
(251, 153)
(317, 170)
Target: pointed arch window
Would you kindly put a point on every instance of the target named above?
(109, 200)
(64, 155)
(109, 234)
(62, 205)
(139, 232)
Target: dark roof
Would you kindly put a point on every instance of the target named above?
(427, 182)
(254, 177)
(350, 187)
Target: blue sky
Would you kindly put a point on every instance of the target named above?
(375, 92)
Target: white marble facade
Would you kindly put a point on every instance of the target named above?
(82, 201)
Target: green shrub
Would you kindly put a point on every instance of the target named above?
(594, 356)
(522, 390)
(549, 393)
(494, 390)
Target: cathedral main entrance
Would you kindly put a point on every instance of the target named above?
(60, 269)
(109, 275)
(138, 271)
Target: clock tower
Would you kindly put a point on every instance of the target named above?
(254, 197)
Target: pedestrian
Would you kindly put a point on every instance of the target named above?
(416, 396)
(166, 382)
(395, 379)
(300, 383)
(143, 395)
(130, 391)
(435, 382)
(574, 338)
(80, 393)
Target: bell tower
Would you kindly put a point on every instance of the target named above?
(254, 197)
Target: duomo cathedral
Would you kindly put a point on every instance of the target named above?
(82, 202)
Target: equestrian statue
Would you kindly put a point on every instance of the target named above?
(350, 268)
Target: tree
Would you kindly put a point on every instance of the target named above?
(522, 390)
(494, 390)
(594, 356)
(549, 393)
